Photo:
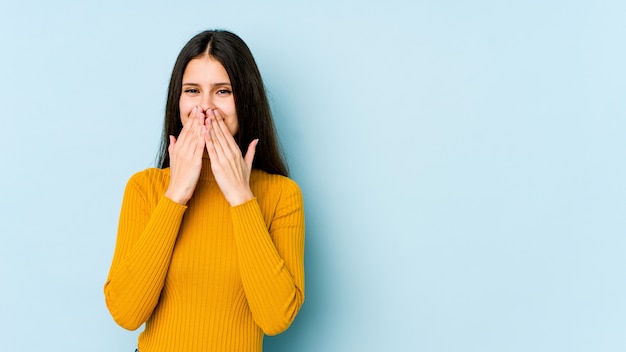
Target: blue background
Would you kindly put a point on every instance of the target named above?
(462, 165)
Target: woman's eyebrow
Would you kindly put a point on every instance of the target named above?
(212, 84)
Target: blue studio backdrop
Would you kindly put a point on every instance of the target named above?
(462, 164)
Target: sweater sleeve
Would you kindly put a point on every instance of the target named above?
(271, 258)
(145, 241)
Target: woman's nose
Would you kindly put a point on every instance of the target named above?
(207, 102)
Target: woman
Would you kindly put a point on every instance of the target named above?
(210, 246)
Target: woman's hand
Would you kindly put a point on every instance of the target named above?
(186, 158)
(231, 170)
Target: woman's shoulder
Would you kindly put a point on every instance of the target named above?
(263, 182)
(150, 178)
(263, 178)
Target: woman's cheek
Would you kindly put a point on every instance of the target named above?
(184, 113)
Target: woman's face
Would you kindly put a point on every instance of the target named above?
(207, 86)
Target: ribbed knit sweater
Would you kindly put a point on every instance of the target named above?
(207, 276)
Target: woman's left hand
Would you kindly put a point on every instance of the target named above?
(231, 170)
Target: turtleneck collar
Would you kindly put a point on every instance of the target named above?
(206, 174)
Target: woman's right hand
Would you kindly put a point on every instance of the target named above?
(186, 158)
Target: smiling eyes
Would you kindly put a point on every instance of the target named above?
(220, 92)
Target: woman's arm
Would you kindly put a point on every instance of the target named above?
(271, 256)
(145, 242)
(148, 228)
(271, 260)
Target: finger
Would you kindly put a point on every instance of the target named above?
(215, 140)
(208, 141)
(206, 134)
(170, 148)
(226, 146)
(193, 140)
(213, 133)
(224, 132)
(200, 115)
(195, 118)
(250, 153)
(199, 145)
(198, 124)
(186, 127)
(206, 124)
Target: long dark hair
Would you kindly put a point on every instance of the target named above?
(253, 109)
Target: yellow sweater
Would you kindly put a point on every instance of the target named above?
(207, 276)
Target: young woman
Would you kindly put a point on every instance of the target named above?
(210, 246)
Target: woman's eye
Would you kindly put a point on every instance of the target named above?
(191, 90)
(223, 92)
